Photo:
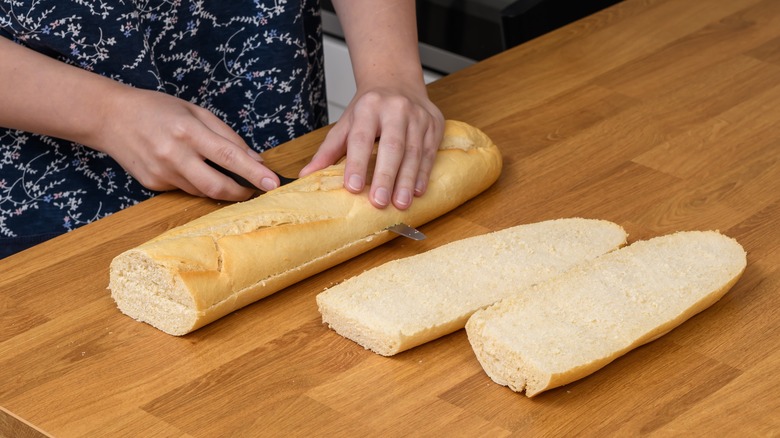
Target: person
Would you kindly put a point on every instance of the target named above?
(104, 104)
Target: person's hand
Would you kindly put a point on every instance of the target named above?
(161, 140)
(164, 141)
(409, 127)
(391, 104)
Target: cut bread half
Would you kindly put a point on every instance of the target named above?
(566, 328)
(410, 301)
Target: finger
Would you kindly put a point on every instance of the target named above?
(360, 148)
(206, 180)
(160, 174)
(408, 171)
(184, 171)
(392, 149)
(171, 181)
(238, 166)
(431, 142)
(330, 151)
(183, 184)
(225, 148)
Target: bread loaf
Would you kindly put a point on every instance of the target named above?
(406, 302)
(569, 327)
(196, 273)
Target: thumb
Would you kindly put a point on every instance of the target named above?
(332, 149)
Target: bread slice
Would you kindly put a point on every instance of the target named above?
(569, 327)
(410, 301)
(196, 273)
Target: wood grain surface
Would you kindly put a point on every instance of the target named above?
(660, 115)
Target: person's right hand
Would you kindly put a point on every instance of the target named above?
(161, 140)
(164, 141)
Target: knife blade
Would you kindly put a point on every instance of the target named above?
(401, 229)
(407, 231)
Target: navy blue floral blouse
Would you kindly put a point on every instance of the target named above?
(257, 64)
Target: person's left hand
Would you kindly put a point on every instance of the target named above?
(409, 128)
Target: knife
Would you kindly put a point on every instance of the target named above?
(407, 231)
(401, 229)
(243, 181)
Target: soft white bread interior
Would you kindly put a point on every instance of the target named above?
(569, 327)
(406, 302)
(196, 273)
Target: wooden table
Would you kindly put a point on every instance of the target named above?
(660, 115)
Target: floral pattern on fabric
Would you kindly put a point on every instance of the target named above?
(256, 64)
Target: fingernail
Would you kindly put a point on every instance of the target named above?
(419, 188)
(382, 196)
(255, 156)
(355, 183)
(267, 184)
(404, 198)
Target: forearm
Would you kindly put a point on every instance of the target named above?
(45, 96)
(382, 40)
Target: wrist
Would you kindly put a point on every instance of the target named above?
(409, 79)
(101, 122)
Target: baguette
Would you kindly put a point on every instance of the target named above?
(569, 327)
(407, 302)
(196, 273)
